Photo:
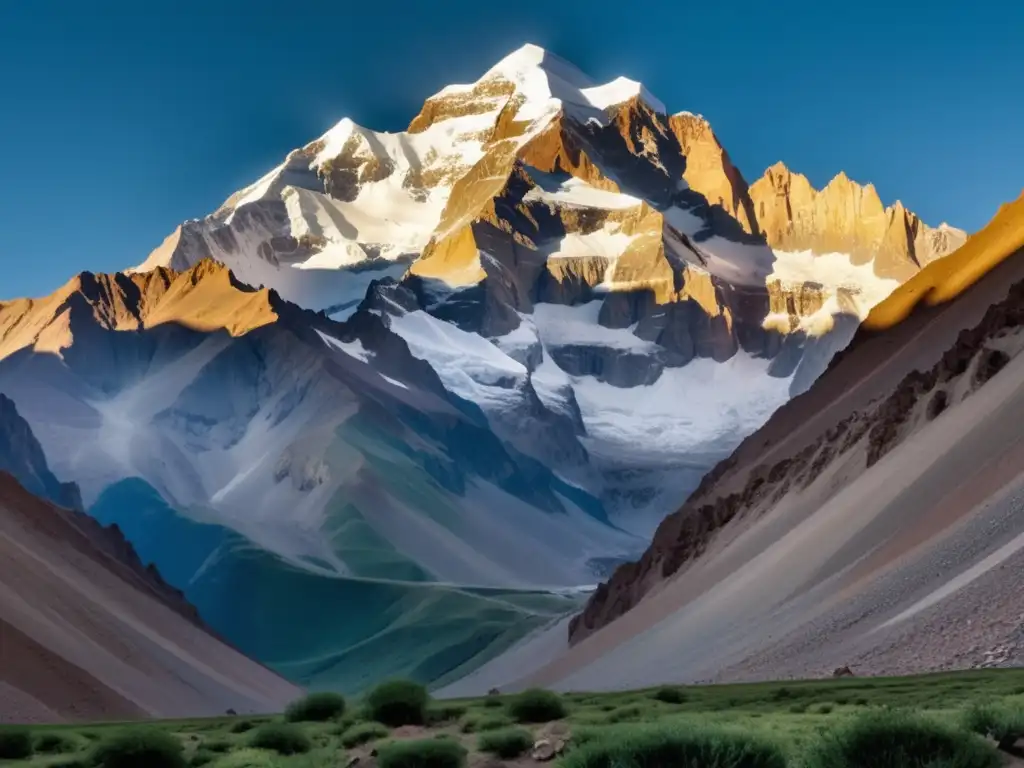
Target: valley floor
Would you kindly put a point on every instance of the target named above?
(792, 714)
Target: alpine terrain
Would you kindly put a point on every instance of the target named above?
(873, 523)
(408, 397)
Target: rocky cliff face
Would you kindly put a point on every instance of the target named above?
(846, 217)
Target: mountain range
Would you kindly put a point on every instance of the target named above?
(409, 397)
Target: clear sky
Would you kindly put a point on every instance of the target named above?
(118, 120)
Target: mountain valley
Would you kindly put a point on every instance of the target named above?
(400, 405)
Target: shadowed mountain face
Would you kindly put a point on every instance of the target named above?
(22, 457)
(295, 458)
(80, 613)
(481, 359)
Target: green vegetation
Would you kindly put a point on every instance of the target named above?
(891, 739)
(397, 703)
(136, 747)
(283, 738)
(15, 743)
(689, 747)
(484, 721)
(507, 743)
(670, 694)
(316, 708)
(425, 753)
(55, 743)
(363, 733)
(1003, 722)
(537, 706)
(920, 722)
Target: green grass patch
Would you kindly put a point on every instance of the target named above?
(135, 747)
(57, 743)
(363, 733)
(894, 739)
(677, 747)
(283, 738)
(670, 694)
(15, 743)
(537, 706)
(507, 743)
(425, 753)
(484, 721)
(397, 703)
(316, 708)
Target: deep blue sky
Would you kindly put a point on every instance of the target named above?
(120, 119)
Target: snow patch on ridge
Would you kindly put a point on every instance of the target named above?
(852, 288)
(688, 410)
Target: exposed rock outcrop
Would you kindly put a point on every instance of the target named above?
(846, 217)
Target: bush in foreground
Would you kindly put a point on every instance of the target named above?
(316, 708)
(283, 738)
(507, 744)
(537, 706)
(427, 753)
(689, 747)
(363, 733)
(670, 694)
(1002, 722)
(397, 703)
(15, 743)
(135, 747)
(242, 726)
(892, 739)
(56, 744)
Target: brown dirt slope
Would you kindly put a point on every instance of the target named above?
(87, 633)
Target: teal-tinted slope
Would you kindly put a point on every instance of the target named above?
(323, 631)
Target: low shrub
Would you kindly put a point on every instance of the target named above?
(484, 722)
(202, 757)
(15, 743)
(893, 739)
(1002, 722)
(220, 746)
(507, 743)
(363, 733)
(690, 747)
(825, 709)
(283, 738)
(247, 758)
(425, 753)
(135, 747)
(494, 702)
(316, 708)
(242, 726)
(537, 706)
(670, 694)
(56, 743)
(445, 713)
(397, 703)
